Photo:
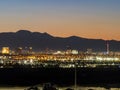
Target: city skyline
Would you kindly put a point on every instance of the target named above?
(85, 18)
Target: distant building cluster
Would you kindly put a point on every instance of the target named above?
(25, 56)
(29, 50)
(19, 50)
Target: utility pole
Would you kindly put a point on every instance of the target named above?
(75, 77)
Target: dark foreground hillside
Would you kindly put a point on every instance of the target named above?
(59, 76)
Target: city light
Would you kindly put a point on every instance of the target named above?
(5, 50)
(62, 59)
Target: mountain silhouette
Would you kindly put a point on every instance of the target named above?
(41, 41)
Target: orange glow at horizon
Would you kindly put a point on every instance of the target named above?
(96, 29)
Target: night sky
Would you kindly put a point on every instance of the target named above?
(98, 19)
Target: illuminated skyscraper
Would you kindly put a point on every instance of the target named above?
(30, 50)
(19, 50)
(89, 51)
(5, 50)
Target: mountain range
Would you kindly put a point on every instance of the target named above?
(42, 41)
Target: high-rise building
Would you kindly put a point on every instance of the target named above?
(89, 51)
(30, 50)
(74, 51)
(5, 50)
(19, 50)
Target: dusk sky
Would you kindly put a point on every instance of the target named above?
(99, 19)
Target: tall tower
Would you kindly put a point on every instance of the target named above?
(107, 47)
(5, 50)
(19, 50)
(30, 50)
